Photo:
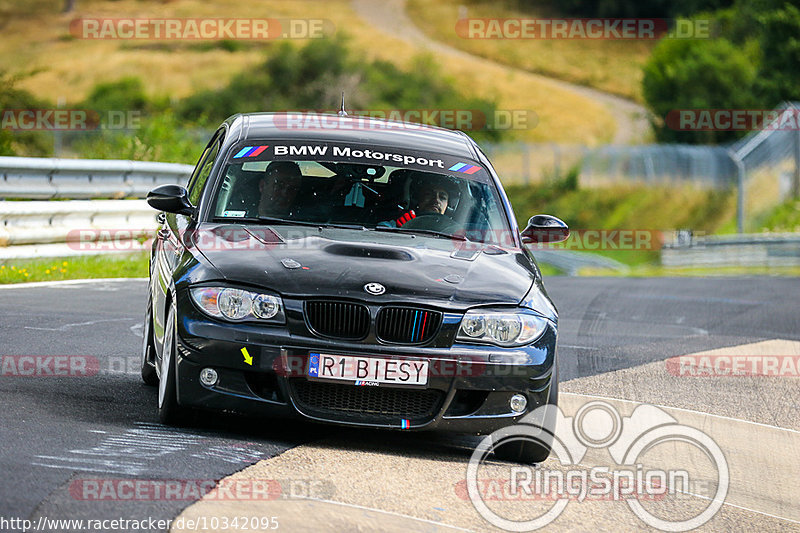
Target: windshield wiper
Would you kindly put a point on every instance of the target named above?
(345, 226)
(286, 222)
(266, 220)
(422, 232)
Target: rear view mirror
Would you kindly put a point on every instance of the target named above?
(170, 198)
(543, 229)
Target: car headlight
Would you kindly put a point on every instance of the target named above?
(238, 304)
(504, 328)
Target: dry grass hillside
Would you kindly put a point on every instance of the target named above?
(37, 46)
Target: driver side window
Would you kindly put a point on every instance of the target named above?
(203, 170)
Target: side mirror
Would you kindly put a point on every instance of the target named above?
(545, 228)
(170, 198)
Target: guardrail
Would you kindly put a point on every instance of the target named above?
(39, 222)
(41, 228)
(35, 178)
(758, 249)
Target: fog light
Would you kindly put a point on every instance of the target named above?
(208, 377)
(518, 403)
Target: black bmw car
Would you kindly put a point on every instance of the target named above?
(349, 271)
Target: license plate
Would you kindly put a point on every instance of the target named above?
(367, 370)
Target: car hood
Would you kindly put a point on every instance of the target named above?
(305, 262)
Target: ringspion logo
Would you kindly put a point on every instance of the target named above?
(542, 493)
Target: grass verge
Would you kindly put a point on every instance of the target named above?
(649, 209)
(76, 267)
(550, 270)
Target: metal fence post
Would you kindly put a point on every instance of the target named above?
(526, 163)
(741, 175)
(556, 161)
(796, 177)
(57, 135)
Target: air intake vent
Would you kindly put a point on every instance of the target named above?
(370, 404)
(340, 320)
(406, 325)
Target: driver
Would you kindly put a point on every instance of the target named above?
(432, 199)
(278, 189)
(430, 195)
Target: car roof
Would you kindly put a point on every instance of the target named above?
(351, 129)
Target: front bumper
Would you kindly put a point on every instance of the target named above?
(468, 389)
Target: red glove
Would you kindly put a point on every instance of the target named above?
(405, 218)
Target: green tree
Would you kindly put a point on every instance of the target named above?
(697, 74)
(15, 142)
(779, 75)
(126, 94)
(5, 143)
(633, 8)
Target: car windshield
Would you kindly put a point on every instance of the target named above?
(376, 197)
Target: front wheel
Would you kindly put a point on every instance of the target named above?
(528, 450)
(169, 411)
(149, 374)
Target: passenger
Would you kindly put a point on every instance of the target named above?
(278, 190)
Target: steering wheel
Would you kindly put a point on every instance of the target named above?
(433, 222)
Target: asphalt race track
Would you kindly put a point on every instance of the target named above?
(60, 432)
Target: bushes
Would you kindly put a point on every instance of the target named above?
(697, 74)
(30, 143)
(634, 8)
(306, 78)
(126, 94)
(749, 63)
(779, 77)
(159, 138)
(313, 77)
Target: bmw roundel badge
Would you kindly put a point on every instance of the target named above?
(374, 288)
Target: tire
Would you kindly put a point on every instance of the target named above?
(149, 374)
(169, 411)
(528, 451)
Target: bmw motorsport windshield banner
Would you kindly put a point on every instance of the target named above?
(272, 150)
